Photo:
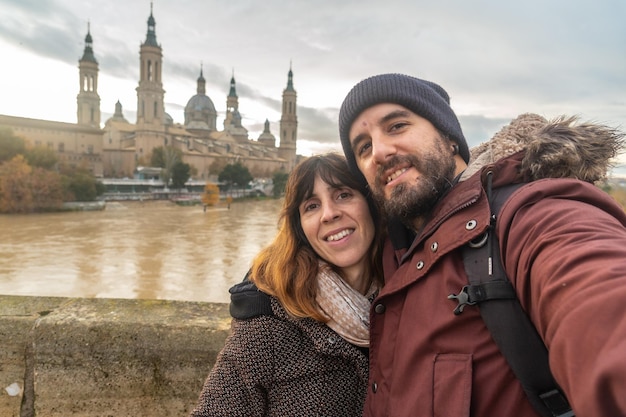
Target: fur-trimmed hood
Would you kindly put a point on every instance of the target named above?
(561, 148)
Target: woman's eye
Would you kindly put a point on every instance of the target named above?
(310, 206)
(344, 194)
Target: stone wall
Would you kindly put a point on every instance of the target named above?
(105, 357)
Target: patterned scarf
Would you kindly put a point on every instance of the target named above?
(347, 309)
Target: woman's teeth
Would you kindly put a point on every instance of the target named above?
(339, 235)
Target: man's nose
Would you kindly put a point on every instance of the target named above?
(382, 148)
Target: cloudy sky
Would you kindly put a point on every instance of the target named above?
(495, 58)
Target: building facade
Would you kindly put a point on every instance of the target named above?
(119, 147)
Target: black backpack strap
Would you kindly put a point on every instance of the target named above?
(247, 301)
(508, 323)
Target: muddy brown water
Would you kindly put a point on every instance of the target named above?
(149, 250)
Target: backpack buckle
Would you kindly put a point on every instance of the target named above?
(463, 298)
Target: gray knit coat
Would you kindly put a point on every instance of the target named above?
(274, 365)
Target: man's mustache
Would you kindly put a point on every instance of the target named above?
(405, 160)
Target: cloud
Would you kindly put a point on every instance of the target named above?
(318, 125)
(496, 59)
(41, 29)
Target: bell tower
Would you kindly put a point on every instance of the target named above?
(150, 93)
(150, 125)
(289, 124)
(88, 100)
(232, 102)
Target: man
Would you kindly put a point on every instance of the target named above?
(562, 243)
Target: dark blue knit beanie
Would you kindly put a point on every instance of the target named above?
(422, 97)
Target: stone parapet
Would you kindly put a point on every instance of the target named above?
(106, 357)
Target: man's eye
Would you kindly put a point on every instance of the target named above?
(397, 126)
(363, 149)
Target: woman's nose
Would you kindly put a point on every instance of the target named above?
(330, 212)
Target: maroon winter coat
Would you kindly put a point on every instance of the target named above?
(563, 244)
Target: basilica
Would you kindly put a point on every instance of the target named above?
(118, 148)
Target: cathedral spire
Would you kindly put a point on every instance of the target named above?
(151, 35)
(88, 52)
(232, 102)
(233, 90)
(290, 79)
(201, 83)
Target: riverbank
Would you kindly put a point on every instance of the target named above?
(84, 206)
(106, 357)
(178, 199)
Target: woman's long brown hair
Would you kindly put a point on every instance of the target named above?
(288, 267)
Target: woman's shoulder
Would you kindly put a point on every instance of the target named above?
(255, 325)
(248, 304)
(247, 301)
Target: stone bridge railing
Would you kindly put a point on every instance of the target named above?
(105, 357)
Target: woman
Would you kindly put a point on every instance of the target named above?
(300, 329)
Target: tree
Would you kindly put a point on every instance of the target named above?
(10, 145)
(180, 174)
(157, 159)
(29, 183)
(79, 184)
(83, 187)
(166, 157)
(280, 181)
(211, 194)
(47, 190)
(171, 156)
(15, 192)
(100, 188)
(235, 175)
(41, 156)
(24, 189)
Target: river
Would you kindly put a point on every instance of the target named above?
(135, 250)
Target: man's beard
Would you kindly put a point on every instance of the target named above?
(409, 201)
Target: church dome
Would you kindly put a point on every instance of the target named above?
(200, 102)
(200, 110)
